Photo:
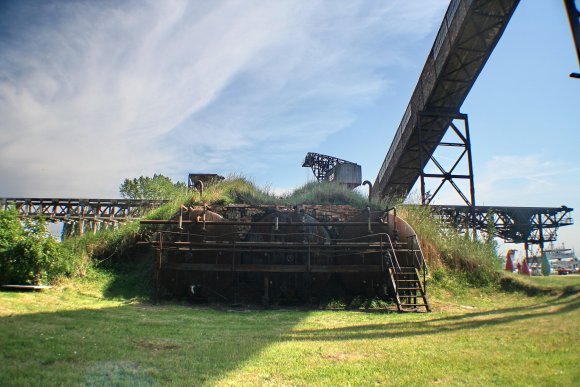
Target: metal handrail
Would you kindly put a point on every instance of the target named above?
(419, 258)
(391, 254)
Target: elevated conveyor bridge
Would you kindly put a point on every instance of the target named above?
(466, 38)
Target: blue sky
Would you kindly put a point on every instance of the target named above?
(93, 92)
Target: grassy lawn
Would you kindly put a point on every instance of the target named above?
(553, 281)
(75, 335)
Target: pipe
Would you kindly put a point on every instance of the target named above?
(199, 219)
(181, 217)
(366, 182)
(200, 188)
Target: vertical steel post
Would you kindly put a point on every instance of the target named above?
(541, 230)
(471, 181)
(574, 17)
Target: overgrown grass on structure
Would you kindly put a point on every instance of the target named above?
(327, 193)
(234, 190)
(447, 251)
(112, 244)
(471, 261)
(242, 191)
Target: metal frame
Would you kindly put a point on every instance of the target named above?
(426, 155)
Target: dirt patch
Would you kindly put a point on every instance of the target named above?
(156, 346)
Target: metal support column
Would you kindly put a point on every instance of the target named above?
(574, 17)
(426, 119)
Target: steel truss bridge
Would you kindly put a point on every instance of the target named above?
(94, 213)
(528, 225)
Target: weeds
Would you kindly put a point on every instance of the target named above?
(443, 247)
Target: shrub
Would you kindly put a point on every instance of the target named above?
(29, 254)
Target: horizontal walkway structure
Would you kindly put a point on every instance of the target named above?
(74, 210)
(532, 225)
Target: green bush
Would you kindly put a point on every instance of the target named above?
(29, 254)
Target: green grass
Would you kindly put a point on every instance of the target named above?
(568, 284)
(82, 333)
(473, 261)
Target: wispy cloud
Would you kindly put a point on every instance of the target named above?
(91, 92)
(526, 180)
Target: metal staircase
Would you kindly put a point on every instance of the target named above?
(408, 282)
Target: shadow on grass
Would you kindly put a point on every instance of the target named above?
(135, 344)
(132, 275)
(144, 344)
(443, 325)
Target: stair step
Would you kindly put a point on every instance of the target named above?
(403, 305)
(408, 288)
(407, 280)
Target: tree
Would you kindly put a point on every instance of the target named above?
(158, 187)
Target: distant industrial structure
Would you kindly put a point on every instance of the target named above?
(329, 168)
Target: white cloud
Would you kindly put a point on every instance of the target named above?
(92, 93)
(526, 180)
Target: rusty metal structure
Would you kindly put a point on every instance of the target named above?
(467, 36)
(92, 213)
(283, 254)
